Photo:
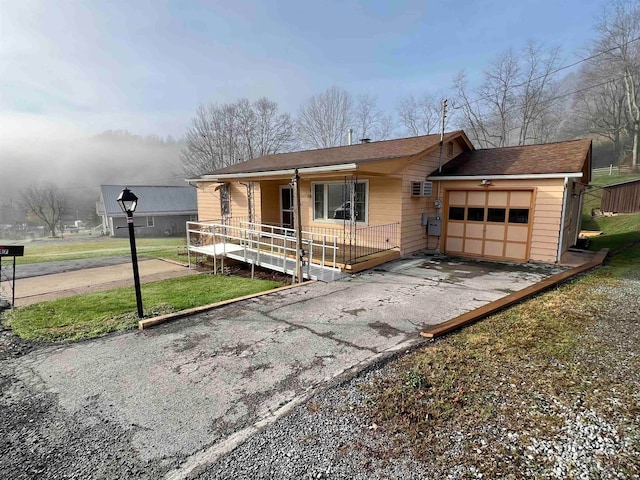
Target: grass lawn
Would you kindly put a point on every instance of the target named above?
(71, 248)
(618, 231)
(96, 314)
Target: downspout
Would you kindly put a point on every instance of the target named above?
(562, 218)
(575, 240)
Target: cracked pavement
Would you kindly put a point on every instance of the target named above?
(188, 391)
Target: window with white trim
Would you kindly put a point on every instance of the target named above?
(332, 201)
(150, 222)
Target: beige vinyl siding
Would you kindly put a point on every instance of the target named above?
(270, 201)
(208, 201)
(412, 232)
(385, 201)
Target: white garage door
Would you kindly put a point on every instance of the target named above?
(494, 224)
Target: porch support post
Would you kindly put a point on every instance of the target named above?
(297, 217)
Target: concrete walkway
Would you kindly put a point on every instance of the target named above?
(188, 391)
(33, 289)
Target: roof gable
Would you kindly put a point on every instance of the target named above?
(152, 200)
(358, 154)
(548, 158)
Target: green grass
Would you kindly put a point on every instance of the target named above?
(96, 314)
(71, 249)
(618, 231)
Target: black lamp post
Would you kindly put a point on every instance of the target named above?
(128, 202)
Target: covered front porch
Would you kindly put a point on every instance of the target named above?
(326, 253)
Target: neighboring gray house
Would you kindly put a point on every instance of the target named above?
(161, 211)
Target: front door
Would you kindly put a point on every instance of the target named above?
(286, 206)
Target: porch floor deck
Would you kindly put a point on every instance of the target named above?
(278, 263)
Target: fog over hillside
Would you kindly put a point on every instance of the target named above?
(80, 164)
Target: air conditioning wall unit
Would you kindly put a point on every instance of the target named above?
(421, 189)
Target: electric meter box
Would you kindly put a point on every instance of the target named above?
(434, 227)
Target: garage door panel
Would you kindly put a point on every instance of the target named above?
(518, 233)
(519, 199)
(476, 198)
(516, 251)
(495, 232)
(454, 245)
(475, 230)
(473, 247)
(493, 249)
(457, 198)
(497, 199)
(455, 229)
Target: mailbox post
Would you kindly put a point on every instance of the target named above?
(11, 251)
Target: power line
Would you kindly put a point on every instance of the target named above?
(565, 67)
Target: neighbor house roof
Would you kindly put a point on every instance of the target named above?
(546, 159)
(152, 200)
(350, 154)
(620, 184)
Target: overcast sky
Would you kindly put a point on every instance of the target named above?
(85, 66)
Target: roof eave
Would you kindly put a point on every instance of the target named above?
(527, 176)
(275, 173)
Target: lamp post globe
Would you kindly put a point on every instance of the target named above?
(128, 203)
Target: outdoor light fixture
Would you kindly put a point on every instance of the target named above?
(128, 202)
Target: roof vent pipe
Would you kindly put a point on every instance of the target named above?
(365, 140)
(350, 136)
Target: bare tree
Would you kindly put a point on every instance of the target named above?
(324, 120)
(47, 202)
(420, 116)
(599, 105)
(222, 135)
(535, 93)
(514, 103)
(619, 41)
(369, 121)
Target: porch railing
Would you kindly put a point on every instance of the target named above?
(259, 244)
(326, 246)
(362, 241)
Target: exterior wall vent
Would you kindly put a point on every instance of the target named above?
(421, 189)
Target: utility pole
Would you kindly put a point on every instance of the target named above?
(444, 116)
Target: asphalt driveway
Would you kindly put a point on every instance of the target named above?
(186, 392)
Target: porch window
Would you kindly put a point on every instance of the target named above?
(332, 201)
(150, 222)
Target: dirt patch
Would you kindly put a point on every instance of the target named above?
(259, 273)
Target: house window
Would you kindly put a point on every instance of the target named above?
(456, 213)
(475, 214)
(496, 214)
(150, 222)
(519, 215)
(332, 201)
(225, 200)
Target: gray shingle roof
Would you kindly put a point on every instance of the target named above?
(152, 200)
(548, 158)
(358, 154)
